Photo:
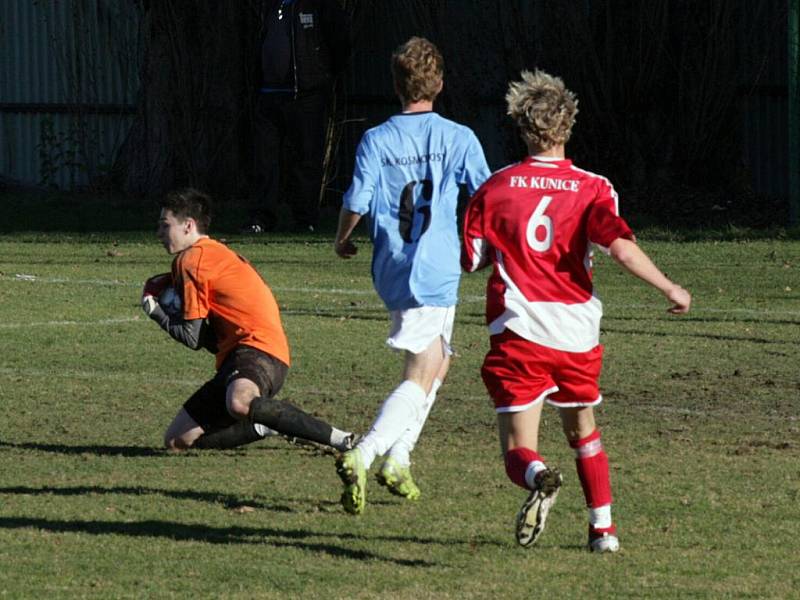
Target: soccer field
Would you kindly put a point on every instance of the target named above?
(700, 420)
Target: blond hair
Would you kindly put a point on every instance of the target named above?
(417, 70)
(543, 109)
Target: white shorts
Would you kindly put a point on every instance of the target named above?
(414, 329)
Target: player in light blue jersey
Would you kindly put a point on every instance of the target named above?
(407, 177)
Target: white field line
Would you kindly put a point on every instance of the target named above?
(23, 278)
(100, 322)
(466, 299)
(95, 375)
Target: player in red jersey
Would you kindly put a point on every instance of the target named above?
(535, 222)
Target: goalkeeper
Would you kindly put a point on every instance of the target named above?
(229, 310)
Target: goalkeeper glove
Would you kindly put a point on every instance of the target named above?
(152, 290)
(157, 284)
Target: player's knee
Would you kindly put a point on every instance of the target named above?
(577, 423)
(239, 401)
(239, 407)
(171, 444)
(239, 396)
(175, 443)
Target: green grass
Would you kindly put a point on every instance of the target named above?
(699, 418)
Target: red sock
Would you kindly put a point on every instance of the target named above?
(517, 461)
(598, 532)
(592, 464)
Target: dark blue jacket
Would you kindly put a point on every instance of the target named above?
(305, 44)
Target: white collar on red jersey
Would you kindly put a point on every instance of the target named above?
(547, 161)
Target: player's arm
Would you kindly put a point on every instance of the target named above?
(476, 252)
(635, 261)
(187, 332)
(357, 198)
(475, 170)
(343, 245)
(610, 231)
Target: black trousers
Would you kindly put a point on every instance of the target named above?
(290, 139)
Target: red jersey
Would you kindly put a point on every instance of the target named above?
(535, 222)
(218, 284)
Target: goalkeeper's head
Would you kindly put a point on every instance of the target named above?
(189, 203)
(185, 217)
(543, 109)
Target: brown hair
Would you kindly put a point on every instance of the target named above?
(543, 109)
(417, 70)
(189, 202)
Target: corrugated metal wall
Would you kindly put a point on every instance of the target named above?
(68, 84)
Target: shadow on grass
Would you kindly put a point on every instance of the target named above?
(99, 450)
(217, 535)
(229, 501)
(311, 448)
(182, 532)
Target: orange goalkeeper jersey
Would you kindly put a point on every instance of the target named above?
(225, 288)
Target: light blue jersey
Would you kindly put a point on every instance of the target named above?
(406, 178)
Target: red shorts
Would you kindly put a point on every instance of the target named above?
(519, 373)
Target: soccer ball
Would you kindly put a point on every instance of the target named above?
(170, 302)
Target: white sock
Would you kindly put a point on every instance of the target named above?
(263, 430)
(600, 517)
(402, 448)
(532, 471)
(401, 410)
(338, 437)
